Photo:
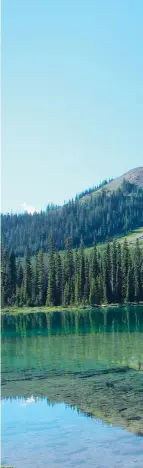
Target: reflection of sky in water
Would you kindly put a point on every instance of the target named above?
(36, 435)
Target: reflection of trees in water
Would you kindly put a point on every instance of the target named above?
(49, 354)
(43, 354)
(117, 319)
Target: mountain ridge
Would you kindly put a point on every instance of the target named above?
(133, 176)
(116, 210)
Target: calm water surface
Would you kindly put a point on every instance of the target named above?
(57, 366)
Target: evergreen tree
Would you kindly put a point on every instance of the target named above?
(36, 278)
(6, 278)
(107, 275)
(12, 266)
(27, 286)
(59, 281)
(70, 278)
(41, 279)
(95, 264)
(101, 217)
(33, 284)
(51, 290)
(87, 282)
(137, 272)
(142, 281)
(94, 297)
(125, 266)
(77, 293)
(114, 269)
(130, 284)
(119, 279)
(19, 275)
(69, 270)
(3, 276)
(81, 271)
(19, 285)
(66, 295)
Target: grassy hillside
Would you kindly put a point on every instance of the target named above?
(92, 216)
(131, 238)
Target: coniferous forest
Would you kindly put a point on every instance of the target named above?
(94, 216)
(74, 278)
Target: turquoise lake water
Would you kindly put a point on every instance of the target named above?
(57, 369)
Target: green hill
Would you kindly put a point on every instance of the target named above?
(109, 210)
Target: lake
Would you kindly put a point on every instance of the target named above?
(72, 388)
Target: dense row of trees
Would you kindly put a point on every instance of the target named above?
(95, 218)
(75, 277)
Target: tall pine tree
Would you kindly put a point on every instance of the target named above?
(59, 279)
(130, 290)
(81, 271)
(114, 269)
(27, 286)
(51, 290)
(107, 275)
(137, 272)
(119, 278)
(125, 266)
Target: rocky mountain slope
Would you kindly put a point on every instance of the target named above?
(134, 176)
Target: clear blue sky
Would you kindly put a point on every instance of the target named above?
(72, 96)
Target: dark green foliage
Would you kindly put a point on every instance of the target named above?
(81, 271)
(12, 266)
(130, 290)
(69, 271)
(94, 264)
(97, 217)
(87, 282)
(107, 275)
(51, 290)
(74, 279)
(119, 278)
(27, 283)
(66, 295)
(19, 274)
(138, 272)
(125, 265)
(8, 277)
(59, 278)
(5, 278)
(114, 269)
(94, 297)
(40, 280)
(76, 289)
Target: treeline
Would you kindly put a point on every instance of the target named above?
(115, 276)
(96, 218)
(93, 189)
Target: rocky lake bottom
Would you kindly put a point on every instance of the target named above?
(72, 386)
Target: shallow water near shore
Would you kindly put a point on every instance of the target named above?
(91, 361)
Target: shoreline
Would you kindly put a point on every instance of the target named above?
(13, 310)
